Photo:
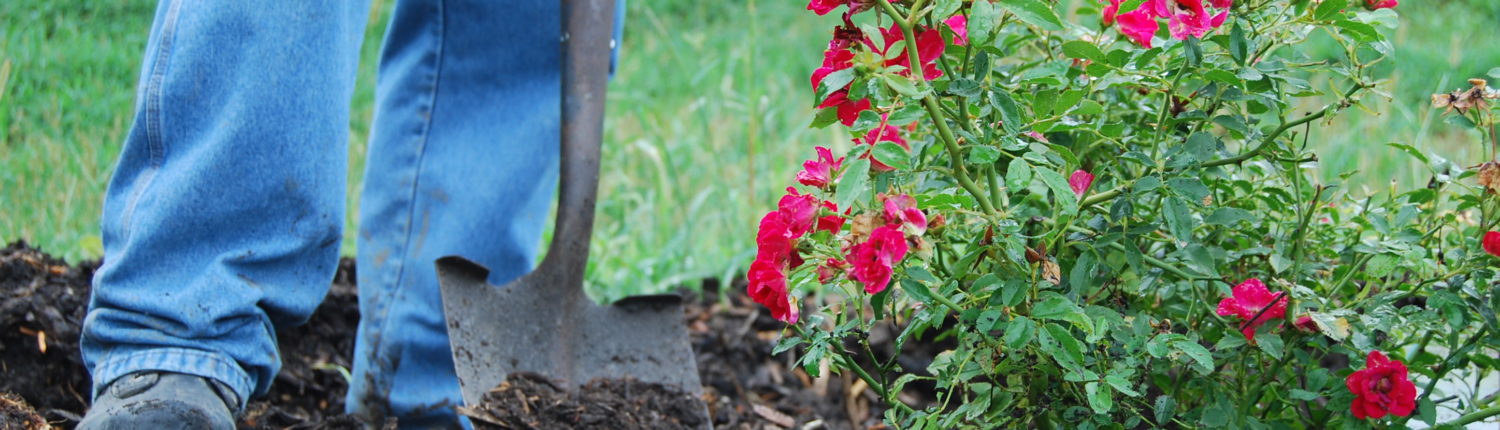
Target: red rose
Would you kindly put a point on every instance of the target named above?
(1381, 388)
(1491, 243)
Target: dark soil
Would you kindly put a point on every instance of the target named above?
(744, 386)
(15, 414)
(531, 401)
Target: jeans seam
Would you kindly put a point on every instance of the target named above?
(437, 67)
(155, 144)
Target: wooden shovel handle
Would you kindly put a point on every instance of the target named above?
(587, 28)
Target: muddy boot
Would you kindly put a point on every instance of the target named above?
(162, 401)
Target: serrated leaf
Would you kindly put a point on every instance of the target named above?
(1010, 114)
(1328, 8)
(1270, 343)
(1190, 188)
(1201, 357)
(1099, 398)
(964, 87)
(854, 183)
(1018, 175)
(916, 290)
(983, 154)
(1179, 219)
(1229, 216)
(1239, 48)
(1019, 332)
(832, 83)
(1066, 200)
(906, 115)
(1065, 340)
(892, 155)
(1084, 50)
(1034, 12)
(1333, 326)
(1121, 384)
(1129, 6)
(901, 85)
(1164, 408)
(983, 16)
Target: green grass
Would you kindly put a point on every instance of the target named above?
(707, 122)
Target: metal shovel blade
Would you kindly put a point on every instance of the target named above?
(531, 325)
(543, 322)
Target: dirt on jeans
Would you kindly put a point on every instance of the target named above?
(43, 301)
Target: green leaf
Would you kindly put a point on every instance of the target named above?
(916, 290)
(964, 87)
(1018, 175)
(1239, 48)
(832, 83)
(1191, 188)
(1165, 408)
(1019, 332)
(892, 155)
(1010, 115)
(854, 184)
(1033, 12)
(901, 85)
(1358, 30)
(1068, 343)
(1333, 326)
(1409, 150)
(1066, 200)
(877, 303)
(825, 117)
(1218, 415)
(1270, 343)
(906, 115)
(1428, 410)
(1300, 394)
(1129, 6)
(1179, 220)
(1328, 8)
(1229, 216)
(983, 154)
(1099, 398)
(1200, 355)
(1057, 307)
(1118, 381)
(1084, 50)
(982, 20)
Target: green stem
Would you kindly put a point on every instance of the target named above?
(1264, 143)
(1473, 417)
(934, 110)
(1261, 385)
(1443, 371)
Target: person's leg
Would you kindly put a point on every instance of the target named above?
(463, 161)
(223, 218)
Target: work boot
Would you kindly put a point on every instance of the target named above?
(162, 401)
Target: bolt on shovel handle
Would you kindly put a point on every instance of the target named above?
(587, 28)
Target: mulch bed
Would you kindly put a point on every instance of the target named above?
(43, 301)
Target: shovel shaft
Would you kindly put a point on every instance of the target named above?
(587, 28)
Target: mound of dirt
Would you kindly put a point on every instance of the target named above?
(15, 414)
(531, 401)
(43, 301)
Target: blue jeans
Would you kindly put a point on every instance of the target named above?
(223, 219)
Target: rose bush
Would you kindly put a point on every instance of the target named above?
(1189, 271)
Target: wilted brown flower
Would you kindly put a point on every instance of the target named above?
(1489, 176)
(1463, 100)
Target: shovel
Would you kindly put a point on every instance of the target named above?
(543, 323)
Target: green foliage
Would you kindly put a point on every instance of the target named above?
(1099, 309)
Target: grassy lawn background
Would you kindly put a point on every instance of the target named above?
(707, 122)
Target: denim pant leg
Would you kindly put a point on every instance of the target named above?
(463, 161)
(222, 220)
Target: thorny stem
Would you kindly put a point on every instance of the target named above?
(1473, 417)
(934, 110)
(1443, 371)
(1270, 138)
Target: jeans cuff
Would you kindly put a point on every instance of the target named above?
(178, 360)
